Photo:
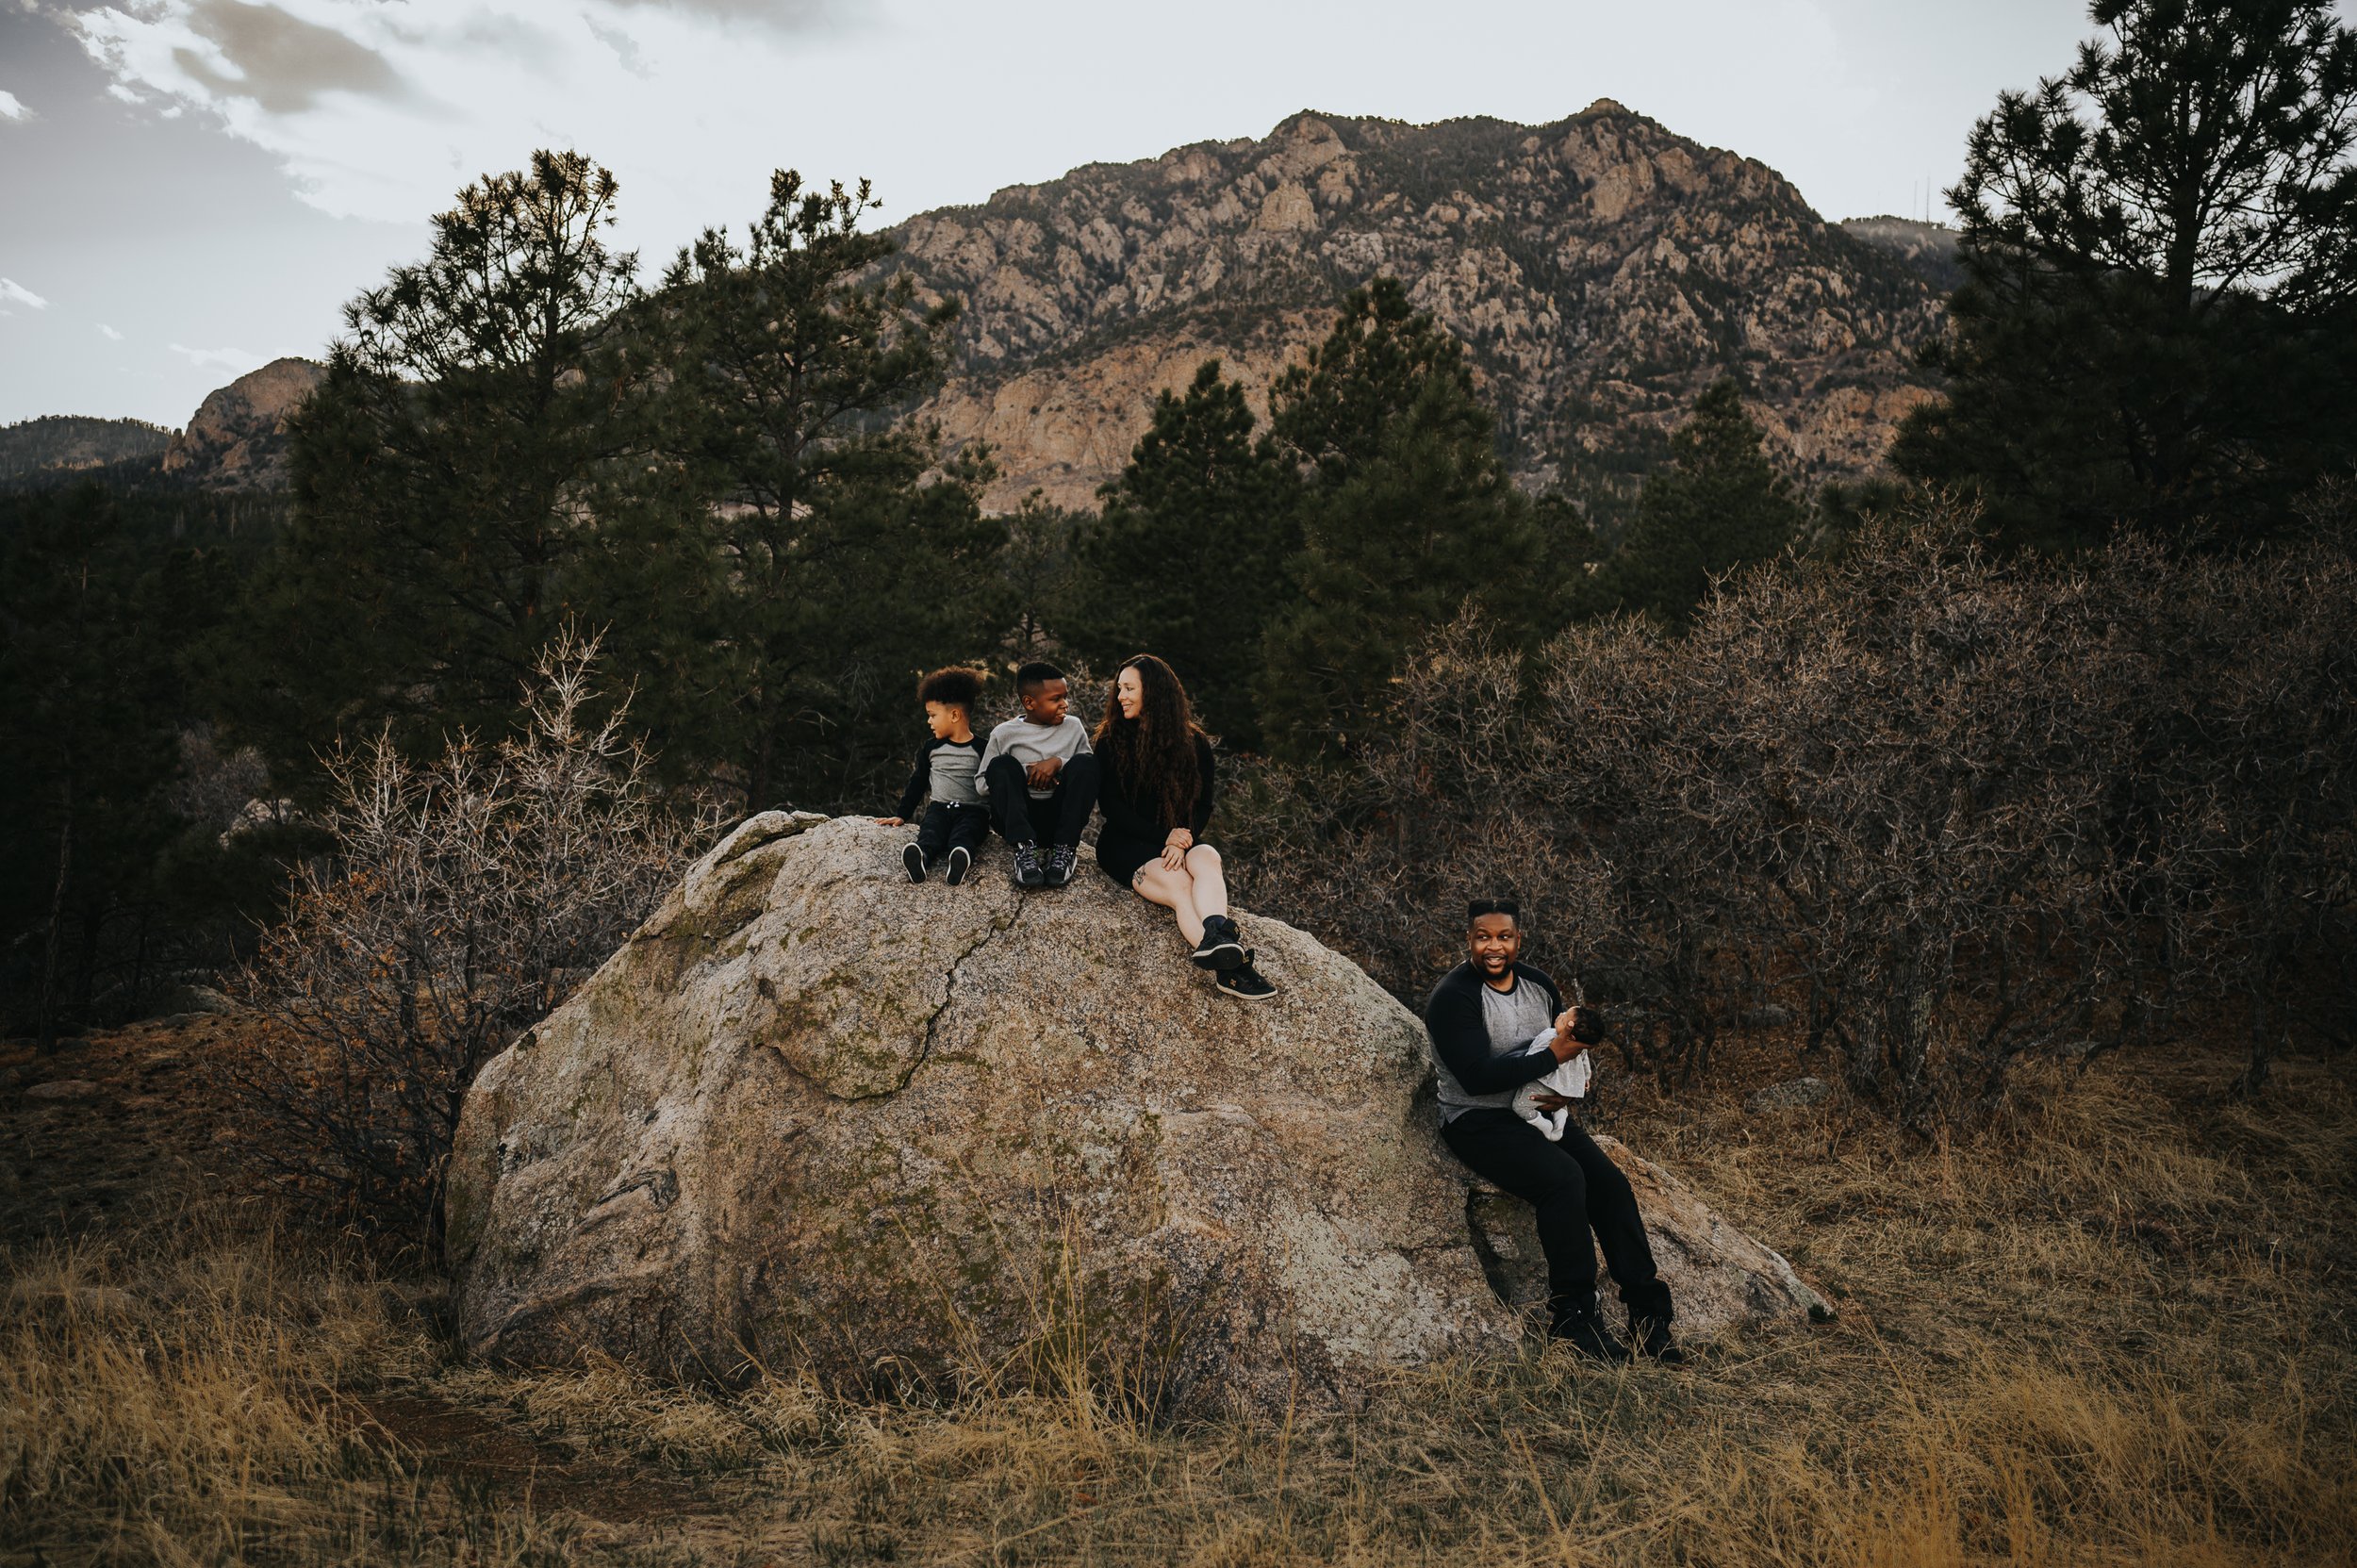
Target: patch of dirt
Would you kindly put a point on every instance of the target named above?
(457, 1441)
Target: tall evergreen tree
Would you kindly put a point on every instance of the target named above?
(798, 564)
(1715, 504)
(441, 473)
(2159, 319)
(93, 622)
(1406, 512)
(1189, 560)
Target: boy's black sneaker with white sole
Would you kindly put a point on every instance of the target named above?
(1061, 860)
(1028, 872)
(1244, 982)
(914, 858)
(961, 862)
(1222, 947)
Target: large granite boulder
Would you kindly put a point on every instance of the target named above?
(812, 1116)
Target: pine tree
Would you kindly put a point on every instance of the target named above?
(91, 698)
(1715, 504)
(796, 565)
(1190, 556)
(2158, 325)
(442, 471)
(1407, 513)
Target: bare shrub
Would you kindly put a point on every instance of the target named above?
(1952, 809)
(464, 901)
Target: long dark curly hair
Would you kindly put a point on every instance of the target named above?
(1158, 744)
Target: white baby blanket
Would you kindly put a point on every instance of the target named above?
(1569, 1079)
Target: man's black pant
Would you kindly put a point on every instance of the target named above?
(1058, 819)
(1578, 1191)
(948, 825)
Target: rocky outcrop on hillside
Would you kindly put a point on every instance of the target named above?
(70, 443)
(812, 1116)
(1601, 271)
(237, 439)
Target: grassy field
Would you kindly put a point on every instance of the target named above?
(2114, 1330)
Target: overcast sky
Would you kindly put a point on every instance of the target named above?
(191, 187)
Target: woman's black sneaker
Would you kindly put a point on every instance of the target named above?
(914, 858)
(1028, 872)
(1221, 947)
(1061, 860)
(961, 862)
(1244, 982)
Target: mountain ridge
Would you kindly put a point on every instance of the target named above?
(1601, 270)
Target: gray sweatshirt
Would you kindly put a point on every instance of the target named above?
(1028, 743)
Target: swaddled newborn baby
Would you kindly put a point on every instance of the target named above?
(1567, 1079)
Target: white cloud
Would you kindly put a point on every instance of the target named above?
(108, 333)
(13, 292)
(383, 112)
(227, 359)
(12, 108)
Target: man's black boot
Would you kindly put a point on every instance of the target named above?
(1584, 1329)
(1061, 860)
(1651, 1336)
(1028, 870)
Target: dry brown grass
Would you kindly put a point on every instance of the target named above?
(2114, 1330)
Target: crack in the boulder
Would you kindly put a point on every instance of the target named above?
(933, 1023)
(949, 991)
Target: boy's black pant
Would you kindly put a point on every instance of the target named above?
(1578, 1191)
(1058, 819)
(948, 825)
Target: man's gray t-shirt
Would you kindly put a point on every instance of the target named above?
(1514, 1018)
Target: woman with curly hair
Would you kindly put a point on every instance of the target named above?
(1155, 789)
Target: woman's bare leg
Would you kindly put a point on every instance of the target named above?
(1174, 891)
(1210, 881)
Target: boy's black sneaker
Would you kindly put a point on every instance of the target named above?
(1585, 1332)
(1651, 1336)
(914, 858)
(1028, 872)
(1061, 860)
(1244, 982)
(1221, 947)
(961, 862)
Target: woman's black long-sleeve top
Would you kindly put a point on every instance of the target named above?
(1133, 807)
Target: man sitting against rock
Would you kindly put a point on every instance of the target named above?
(1496, 1025)
(1041, 778)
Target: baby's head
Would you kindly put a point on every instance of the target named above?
(950, 697)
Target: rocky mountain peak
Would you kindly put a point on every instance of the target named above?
(1601, 271)
(237, 438)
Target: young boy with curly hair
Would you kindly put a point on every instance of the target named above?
(947, 769)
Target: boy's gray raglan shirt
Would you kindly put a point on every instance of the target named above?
(1028, 743)
(946, 771)
(955, 769)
